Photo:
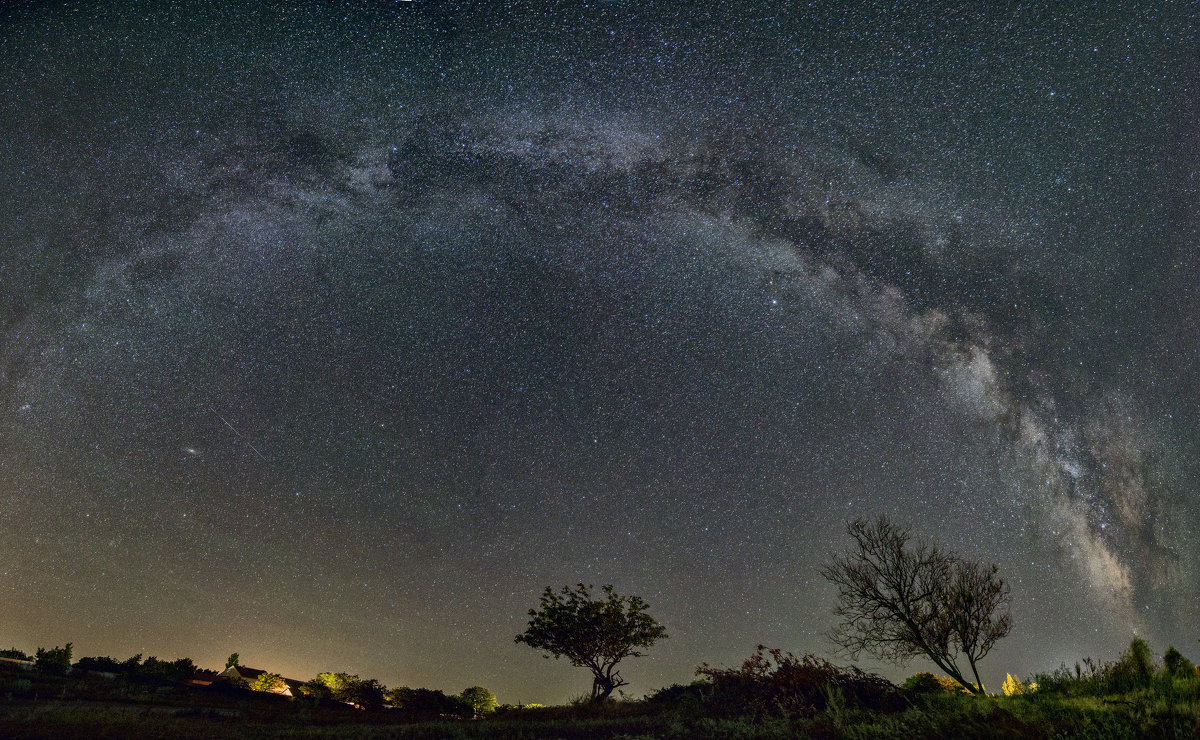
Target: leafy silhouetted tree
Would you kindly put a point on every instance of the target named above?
(102, 664)
(56, 660)
(593, 633)
(366, 693)
(480, 700)
(14, 653)
(166, 671)
(231, 661)
(315, 689)
(427, 703)
(105, 664)
(337, 683)
(900, 598)
(267, 681)
(344, 687)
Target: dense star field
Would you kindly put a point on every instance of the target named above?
(332, 333)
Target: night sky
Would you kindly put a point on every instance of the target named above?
(332, 333)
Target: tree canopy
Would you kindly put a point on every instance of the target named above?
(55, 660)
(266, 681)
(593, 633)
(166, 671)
(427, 703)
(900, 598)
(344, 687)
(481, 700)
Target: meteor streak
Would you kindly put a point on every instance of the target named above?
(239, 434)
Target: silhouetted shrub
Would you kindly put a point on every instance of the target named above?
(685, 702)
(675, 693)
(511, 709)
(777, 683)
(1134, 670)
(926, 683)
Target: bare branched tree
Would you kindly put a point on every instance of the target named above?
(899, 598)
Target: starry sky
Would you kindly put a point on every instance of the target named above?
(332, 332)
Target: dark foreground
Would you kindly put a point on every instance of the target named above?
(946, 716)
(772, 696)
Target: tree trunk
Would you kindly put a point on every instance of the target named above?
(605, 690)
(604, 683)
(975, 670)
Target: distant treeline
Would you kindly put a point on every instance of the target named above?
(340, 687)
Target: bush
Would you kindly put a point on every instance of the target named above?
(777, 683)
(676, 693)
(927, 683)
(1014, 686)
(1134, 670)
(511, 709)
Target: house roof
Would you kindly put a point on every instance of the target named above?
(17, 661)
(248, 673)
(204, 676)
